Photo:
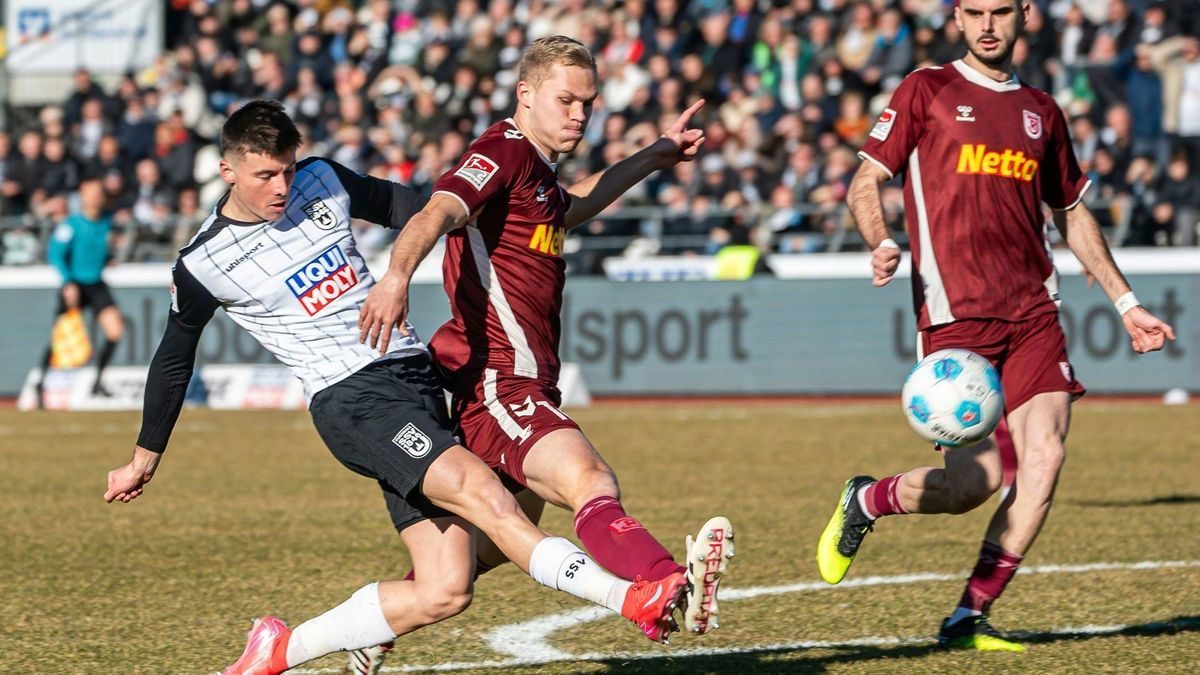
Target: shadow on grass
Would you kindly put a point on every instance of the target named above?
(818, 658)
(1123, 503)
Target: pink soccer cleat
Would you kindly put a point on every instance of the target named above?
(651, 604)
(266, 649)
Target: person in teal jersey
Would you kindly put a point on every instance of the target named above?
(79, 250)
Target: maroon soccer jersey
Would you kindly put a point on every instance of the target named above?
(504, 271)
(980, 158)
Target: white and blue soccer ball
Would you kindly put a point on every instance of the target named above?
(953, 398)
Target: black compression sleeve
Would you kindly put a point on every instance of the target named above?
(170, 372)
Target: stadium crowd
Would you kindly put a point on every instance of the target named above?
(397, 88)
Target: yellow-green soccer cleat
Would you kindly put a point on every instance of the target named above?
(975, 633)
(844, 533)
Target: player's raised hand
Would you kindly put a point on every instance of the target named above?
(1149, 333)
(386, 306)
(127, 482)
(884, 262)
(684, 143)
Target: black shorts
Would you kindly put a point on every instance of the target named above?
(389, 422)
(97, 296)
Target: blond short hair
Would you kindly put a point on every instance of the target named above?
(549, 51)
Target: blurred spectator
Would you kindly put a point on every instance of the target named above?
(396, 87)
(1177, 210)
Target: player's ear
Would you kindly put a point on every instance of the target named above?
(227, 173)
(524, 93)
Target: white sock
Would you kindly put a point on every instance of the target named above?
(559, 564)
(356, 623)
(862, 502)
(961, 613)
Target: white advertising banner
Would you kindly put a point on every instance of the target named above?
(54, 37)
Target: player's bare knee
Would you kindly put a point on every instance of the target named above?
(598, 480)
(970, 491)
(443, 602)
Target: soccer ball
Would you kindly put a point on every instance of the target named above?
(953, 398)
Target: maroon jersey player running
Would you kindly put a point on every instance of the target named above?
(506, 214)
(981, 152)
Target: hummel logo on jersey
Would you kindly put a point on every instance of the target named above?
(323, 280)
(547, 239)
(413, 441)
(320, 214)
(976, 158)
(1033, 124)
(541, 194)
(477, 170)
(883, 127)
(964, 114)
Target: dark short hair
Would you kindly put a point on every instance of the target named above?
(261, 127)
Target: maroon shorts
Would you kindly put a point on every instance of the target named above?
(1031, 355)
(502, 416)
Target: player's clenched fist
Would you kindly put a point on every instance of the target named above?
(884, 261)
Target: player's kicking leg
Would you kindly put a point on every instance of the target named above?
(565, 469)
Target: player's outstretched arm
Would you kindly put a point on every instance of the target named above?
(1082, 233)
(677, 144)
(387, 302)
(865, 204)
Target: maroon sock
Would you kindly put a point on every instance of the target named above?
(620, 543)
(992, 573)
(881, 497)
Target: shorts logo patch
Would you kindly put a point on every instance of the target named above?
(1066, 370)
(322, 280)
(1033, 124)
(883, 127)
(320, 214)
(413, 441)
(477, 170)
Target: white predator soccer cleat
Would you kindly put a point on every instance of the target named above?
(368, 660)
(708, 557)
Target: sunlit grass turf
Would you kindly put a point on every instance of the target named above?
(250, 515)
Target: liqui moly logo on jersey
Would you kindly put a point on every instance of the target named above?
(325, 279)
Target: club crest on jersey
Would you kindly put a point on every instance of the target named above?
(477, 170)
(883, 127)
(322, 280)
(413, 441)
(1033, 124)
(320, 214)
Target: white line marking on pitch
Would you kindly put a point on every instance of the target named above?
(526, 645)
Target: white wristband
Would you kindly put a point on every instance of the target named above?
(1126, 302)
(887, 243)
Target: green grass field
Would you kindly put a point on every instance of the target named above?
(249, 514)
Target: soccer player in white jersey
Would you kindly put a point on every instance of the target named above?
(982, 153)
(277, 254)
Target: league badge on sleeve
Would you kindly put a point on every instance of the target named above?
(1033, 124)
(477, 170)
(883, 127)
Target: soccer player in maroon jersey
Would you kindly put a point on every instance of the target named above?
(981, 152)
(506, 213)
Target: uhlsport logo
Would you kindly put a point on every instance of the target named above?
(324, 279)
(413, 441)
(320, 214)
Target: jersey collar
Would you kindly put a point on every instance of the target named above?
(975, 77)
(553, 165)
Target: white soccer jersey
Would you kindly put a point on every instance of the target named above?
(296, 284)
